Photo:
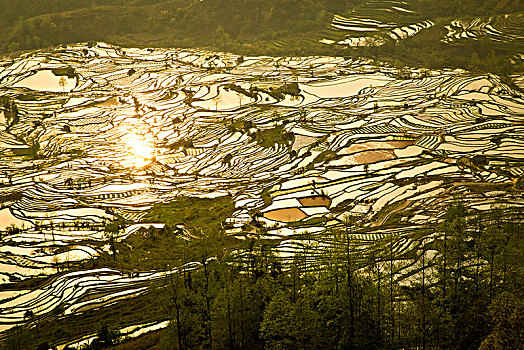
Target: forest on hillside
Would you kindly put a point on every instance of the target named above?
(286, 27)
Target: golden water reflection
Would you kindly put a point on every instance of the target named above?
(140, 150)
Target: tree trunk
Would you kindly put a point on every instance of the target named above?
(491, 273)
(208, 307)
(176, 294)
(229, 326)
(293, 272)
(379, 302)
(241, 315)
(423, 298)
(445, 266)
(178, 325)
(350, 294)
(391, 301)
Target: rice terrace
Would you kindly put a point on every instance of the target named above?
(144, 191)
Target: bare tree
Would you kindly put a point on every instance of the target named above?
(62, 82)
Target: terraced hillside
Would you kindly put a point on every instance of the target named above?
(371, 23)
(94, 133)
(475, 35)
(375, 23)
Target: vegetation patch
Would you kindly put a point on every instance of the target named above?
(269, 137)
(323, 157)
(199, 215)
(157, 249)
(266, 197)
(64, 71)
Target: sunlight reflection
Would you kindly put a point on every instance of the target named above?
(141, 150)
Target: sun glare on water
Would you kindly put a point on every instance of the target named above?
(140, 150)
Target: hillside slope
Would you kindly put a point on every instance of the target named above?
(132, 177)
(484, 36)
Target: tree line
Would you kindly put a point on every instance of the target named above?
(286, 27)
(459, 288)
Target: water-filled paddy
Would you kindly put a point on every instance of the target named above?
(46, 80)
(291, 140)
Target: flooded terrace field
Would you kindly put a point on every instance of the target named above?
(89, 134)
